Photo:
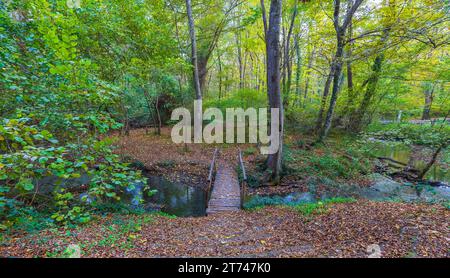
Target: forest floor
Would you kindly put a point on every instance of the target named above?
(334, 230)
(343, 230)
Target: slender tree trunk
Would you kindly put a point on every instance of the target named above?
(203, 72)
(181, 78)
(219, 61)
(126, 121)
(341, 30)
(264, 17)
(308, 74)
(126, 117)
(150, 110)
(244, 70)
(350, 86)
(358, 120)
(284, 63)
(240, 60)
(274, 161)
(334, 95)
(429, 96)
(298, 72)
(158, 115)
(432, 162)
(195, 63)
(324, 101)
(287, 53)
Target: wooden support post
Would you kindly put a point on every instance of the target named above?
(212, 171)
(244, 178)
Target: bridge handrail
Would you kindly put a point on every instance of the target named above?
(241, 162)
(212, 166)
(244, 178)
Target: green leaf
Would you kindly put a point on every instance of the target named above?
(43, 160)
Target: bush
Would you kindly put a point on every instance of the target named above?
(55, 111)
(31, 154)
(34, 155)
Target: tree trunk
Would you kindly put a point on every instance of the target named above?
(287, 53)
(308, 74)
(264, 17)
(358, 120)
(284, 60)
(150, 111)
(240, 62)
(158, 115)
(336, 82)
(350, 86)
(431, 163)
(181, 78)
(219, 61)
(274, 161)
(126, 121)
(341, 30)
(326, 91)
(429, 96)
(298, 72)
(203, 72)
(195, 62)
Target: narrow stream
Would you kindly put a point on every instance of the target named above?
(177, 199)
(403, 154)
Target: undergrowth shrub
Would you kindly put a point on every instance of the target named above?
(321, 207)
(306, 208)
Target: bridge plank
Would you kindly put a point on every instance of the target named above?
(226, 193)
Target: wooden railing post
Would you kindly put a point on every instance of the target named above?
(244, 179)
(212, 171)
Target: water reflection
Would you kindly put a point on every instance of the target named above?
(177, 199)
(403, 154)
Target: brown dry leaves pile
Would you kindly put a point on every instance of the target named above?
(346, 230)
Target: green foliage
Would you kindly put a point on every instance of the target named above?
(423, 134)
(244, 98)
(263, 201)
(55, 109)
(166, 215)
(70, 76)
(305, 208)
(253, 179)
(330, 166)
(321, 207)
(249, 151)
(311, 209)
(447, 205)
(65, 213)
(327, 165)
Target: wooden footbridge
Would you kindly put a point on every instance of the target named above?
(225, 192)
